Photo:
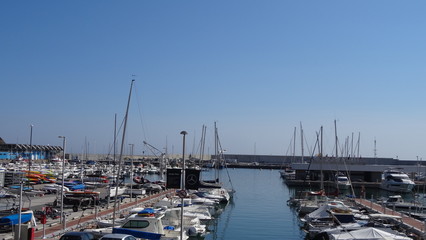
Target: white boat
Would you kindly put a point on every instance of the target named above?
(192, 224)
(396, 181)
(106, 223)
(369, 233)
(398, 202)
(203, 212)
(53, 188)
(288, 173)
(113, 190)
(219, 194)
(342, 182)
(146, 225)
(135, 190)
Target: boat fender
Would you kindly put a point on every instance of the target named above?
(363, 210)
(321, 236)
(192, 232)
(169, 228)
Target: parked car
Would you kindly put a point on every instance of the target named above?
(117, 236)
(77, 236)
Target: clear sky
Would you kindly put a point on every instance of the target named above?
(257, 68)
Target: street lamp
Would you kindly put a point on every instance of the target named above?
(31, 149)
(183, 184)
(63, 181)
(131, 171)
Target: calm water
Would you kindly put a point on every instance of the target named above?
(258, 210)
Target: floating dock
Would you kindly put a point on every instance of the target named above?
(410, 224)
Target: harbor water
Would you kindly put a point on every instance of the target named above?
(258, 209)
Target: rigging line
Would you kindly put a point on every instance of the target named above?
(286, 153)
(115, 137)
(199, 145)
(312, 157)
(140, 113)
(225, 165)
(309, 167)
(306, 142)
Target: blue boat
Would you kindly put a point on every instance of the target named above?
(73, 186)
(138, 234)
(7, 222)
(14, 219)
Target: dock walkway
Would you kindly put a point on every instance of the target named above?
(413, 225)
(80, 220)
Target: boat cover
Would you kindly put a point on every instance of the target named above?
(14, 219)
(320, 213)
(368, 234)
(207, 184)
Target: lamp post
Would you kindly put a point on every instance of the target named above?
(31, 149)
(20, 208)
(131, 170)
(183, 184)
(63, 181)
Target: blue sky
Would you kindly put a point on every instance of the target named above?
(257, 68)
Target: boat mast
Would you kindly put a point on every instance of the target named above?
(216, 148)
(294, 146)
(322, 176)
(358, 144)
(337, 152)
(203, 140)
(121, 153)
(335, 134)
(301, 139)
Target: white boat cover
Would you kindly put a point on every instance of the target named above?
(368, 234)
(322, 211)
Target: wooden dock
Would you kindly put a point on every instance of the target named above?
(83, 220)
(410, 224)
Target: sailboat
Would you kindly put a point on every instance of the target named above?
(214, 187)
(288, 173)
(342, 180)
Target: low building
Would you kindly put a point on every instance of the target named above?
(27, 151)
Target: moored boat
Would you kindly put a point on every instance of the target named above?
(396, 181)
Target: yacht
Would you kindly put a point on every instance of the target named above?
(288, 173)
(147, 224)
(398, 202)
(342, 182)
(396, 181)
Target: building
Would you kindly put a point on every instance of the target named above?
(360, 169)
(26, 151)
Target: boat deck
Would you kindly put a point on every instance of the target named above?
(81, 220)
(410, 223)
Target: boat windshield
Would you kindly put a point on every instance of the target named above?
(136, 224)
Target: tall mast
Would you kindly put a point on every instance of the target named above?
(322, 176)
(301, 139)
(121, 152)
(359, 141)
(294, 146)
(203, 142)
(335, 134)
